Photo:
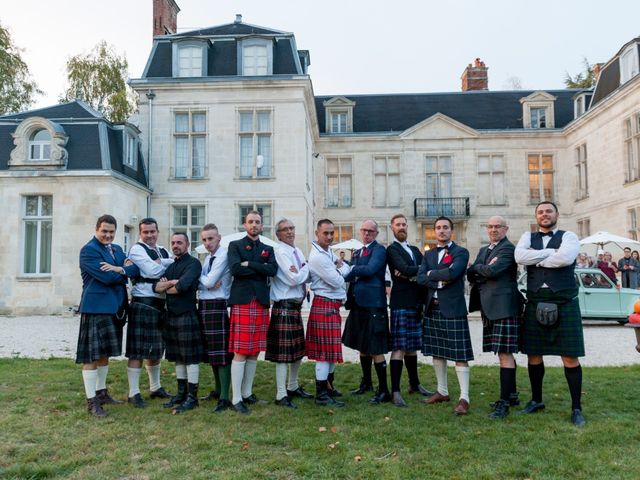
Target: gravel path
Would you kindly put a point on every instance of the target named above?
(606, 343)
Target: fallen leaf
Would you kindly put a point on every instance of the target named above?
(329, 412)
(386, 419)
(230, 442)
(322, 429)
(333, 445)
(334, 429)
(357, 458)
(245, 445)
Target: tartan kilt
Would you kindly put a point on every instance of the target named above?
(214, 326)
(323, 340)
(447, 338)
(565, 338)
(367, 330)
(183, 339)
(406, 330)
(501, 336)
(98, 337)
(144, 332)
(285, 337)
(249, 325)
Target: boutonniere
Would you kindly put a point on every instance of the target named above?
(264, 253)
(247, 247)
(365, 253)
(447, 259)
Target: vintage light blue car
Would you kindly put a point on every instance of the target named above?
(599, 298)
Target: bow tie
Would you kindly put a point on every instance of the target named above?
(546, 234)
(442, 248)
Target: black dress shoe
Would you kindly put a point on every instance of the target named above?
(250, 400)
(240, 407)
(160, 393)
(380, 397)
(213, 395)
(222, 406)
(362, 389)
(298, 392)
(105, 399)
(136, 401)
(398, 401)
(421, 390)
(285, 402)
(514, 400)
(577, 418)
(500, 411)
(531, 407)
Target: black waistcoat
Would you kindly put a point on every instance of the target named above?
(556, 278)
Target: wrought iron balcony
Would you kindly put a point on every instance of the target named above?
(452, 207)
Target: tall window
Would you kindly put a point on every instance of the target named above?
(386, 181)
(632, 148)
(130, 157)
(40, 145)
(538, 117)
(629, 63)
(439, 172)
(190, 142)
(491, 180)
(190, 61)
(255, 60)
(37, 225)
(385, 235)
(581, 172)
(584, 227)
(339, 121)
(256, 158)
(339, 181)
(632, 219)
(265, 212)
(188, 219)
(342, 233)
(540, 177)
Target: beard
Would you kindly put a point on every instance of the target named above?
(402, 236)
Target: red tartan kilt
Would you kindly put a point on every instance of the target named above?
(249, 326)
(324, 336)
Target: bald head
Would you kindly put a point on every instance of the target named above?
(497, 228)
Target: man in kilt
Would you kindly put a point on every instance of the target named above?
(367, 326)
(285, 338)
(147, 313)
(406, 310)
(550, 256)
(104, 271)
(215, 285)
(182, 332)
(323, 342)
(252, 263)
(446, 329)
(494, 291)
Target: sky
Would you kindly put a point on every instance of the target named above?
(356, 46)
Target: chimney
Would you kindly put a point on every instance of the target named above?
(475, 77)
(596, 72)
(238, 18)
(165, 17)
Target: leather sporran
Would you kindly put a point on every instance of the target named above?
(547, 314)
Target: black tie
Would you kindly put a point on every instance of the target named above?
(441, 248)
(211, 261)
(546, 234)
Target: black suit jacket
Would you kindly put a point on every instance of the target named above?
(367, 288)
(494, 288)
(253, 280)
(405, 293)
(451, 295)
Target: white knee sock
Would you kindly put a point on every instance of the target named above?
(101, 383)
(281, 380)
(181, 371)
(440, 367)
(133, 374)
(332, 367)
(247, 381)
(193, 373)
(463, 380)
(237, 374)
(322, 370)
(153, 371)
(293, 375)
(89, 378)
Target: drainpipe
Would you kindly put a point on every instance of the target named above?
(150, 96)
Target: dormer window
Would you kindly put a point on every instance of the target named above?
(255, 57)
(189, 59)
(40, 145)
(130, 153)
(537, 110)
(629, 63)
(339, 115)
(538, 117)
(339, 121)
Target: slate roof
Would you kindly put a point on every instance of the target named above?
(75, 109)
(609, 78)
(230, 29)
(481, 110)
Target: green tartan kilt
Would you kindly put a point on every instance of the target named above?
(565, 338)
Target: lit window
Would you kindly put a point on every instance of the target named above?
(37, 224)
(190, 133)
(540, 178)
(342, 233)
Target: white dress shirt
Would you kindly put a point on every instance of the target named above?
(148, 269)
(287, 285)
(326, 279)
(548, 257)
(219, 272)
(405, 246)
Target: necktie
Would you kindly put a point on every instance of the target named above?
(295, 254)
(110, 250)
(211, 261)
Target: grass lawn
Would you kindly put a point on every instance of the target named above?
(45, 431)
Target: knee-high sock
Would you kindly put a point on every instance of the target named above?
(536, 375)
(101, 383)
(249, 374)
(193, 373)
(332, 367)
(133, 375)
(381, 372)
(181, 371)
(89, 378)
(396, 374)
(225, 381)
(216, 376)
(507, 383)
(411, 363)
(574, 380)
(293, 375)
(463, 379)
(322, 370)
(153, 372)
(281, 380)
(440, 367)
(237, 375)
(365, 364)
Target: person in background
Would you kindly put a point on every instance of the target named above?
(635, 255)
(628, 266)
(583, 261)
(608, 267)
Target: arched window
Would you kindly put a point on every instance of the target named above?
(40, 145)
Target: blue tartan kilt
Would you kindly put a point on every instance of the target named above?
(501, 336)
(406, 330)
(144, 332)
(447, 338)
(183, 339)
(98, 337)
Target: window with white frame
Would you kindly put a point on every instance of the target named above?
(338, 114)
(632, 148)
(256, 57)
(342, 233)
(37, 228)
(190, 61)
(538, 117)
(629, 63)
(582, 182)
(265, 211)
(439, 169)
(584, 227)
(385, 235)
(130, 154)
(190, 136)
(254, 136)
(338, 178)
(339, 121)
(632, 221)
(189, 219)
(540, 168)
(491, 179)
(40, 145)
(386, 181)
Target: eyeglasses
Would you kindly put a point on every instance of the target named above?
(495, 227)
(287, 229)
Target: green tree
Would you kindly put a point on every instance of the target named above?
(586, 79)
(99, 78)
(17, 89)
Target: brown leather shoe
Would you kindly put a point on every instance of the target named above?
(436, 398)
(462, 408)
